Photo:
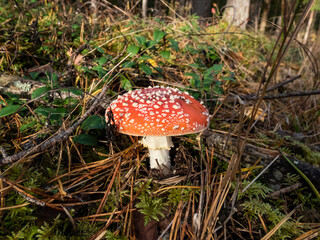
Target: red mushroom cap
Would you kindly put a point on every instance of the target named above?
(158, 111)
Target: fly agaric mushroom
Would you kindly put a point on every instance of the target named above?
(157, 114)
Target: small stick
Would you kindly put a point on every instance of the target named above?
(260, 174)
(284, 190)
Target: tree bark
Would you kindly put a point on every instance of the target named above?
(264, 16)
(237, 12)
(144, 8)
(254, 13)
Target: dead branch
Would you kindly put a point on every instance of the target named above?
(18, 85)
(292, 94)
(272, 97)
(254, 95)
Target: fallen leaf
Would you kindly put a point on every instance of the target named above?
(260, 114)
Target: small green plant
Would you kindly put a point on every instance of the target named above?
(27, 232)
(207, 74)
(255, 206)
(112, 236)
(176, 195)
(86, 229)
(151, 207)
(149, 51)
(255, 191)
(50, 231)
(290, 179)
(12, 105)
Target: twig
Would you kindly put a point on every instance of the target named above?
(3, 152)
(283, 83)
(284, 190)
(271, 97)
(260, 174)
(293, 94)
(74, 226)
(254, 95)
(283, 95)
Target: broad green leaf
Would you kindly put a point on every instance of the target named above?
(145, 68)
(100, 49)
(75, 91)
(133, 49)
(28, 125)
(196, 95)
(126, 83)
(144, 57)
(194, 75)
(85, 139)
(94, 122)
(217, 68)
(194, 65)
(174, 45)
(101, 71)
(159, 69)
(52, 78)
(165, 54)
(207, 81)
(55, 114)
(58, 113)
(39, 91)
(195, 82)
(141, 40)
(102, 60)
(227, 79)
(158, 35)
(87, 70)
(128, 64)
(149, 43)
(12, 96)
(45, 111)
(34, 75)
(9, 110)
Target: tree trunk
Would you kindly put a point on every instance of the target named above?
(237, 12)
(144, 8)
(264, 16)
(202, 8)
(308, 27)
(254, 13)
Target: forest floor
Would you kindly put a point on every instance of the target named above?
(253, 174)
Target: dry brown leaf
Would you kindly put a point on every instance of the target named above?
(260, 114)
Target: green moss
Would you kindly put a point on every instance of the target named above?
(307, 155)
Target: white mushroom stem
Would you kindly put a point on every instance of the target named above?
(159, 148)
